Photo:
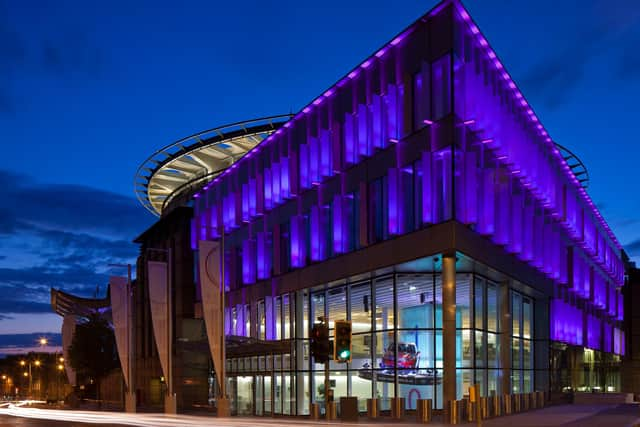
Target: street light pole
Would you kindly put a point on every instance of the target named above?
(29, 374)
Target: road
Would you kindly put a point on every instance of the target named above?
(562, 415)
(9, 421)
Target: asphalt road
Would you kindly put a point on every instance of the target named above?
(562, 415)
(9, 421)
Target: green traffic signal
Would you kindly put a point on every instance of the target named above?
(342, 347)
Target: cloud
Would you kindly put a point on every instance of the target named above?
(633, 248)
(626, 222)
(56, 209)
(61, 236)
(562, 70)
(62, 52)
(5, 317)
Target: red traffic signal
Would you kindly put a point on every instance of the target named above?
(320, 345)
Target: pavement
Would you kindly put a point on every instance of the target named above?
(560, 415)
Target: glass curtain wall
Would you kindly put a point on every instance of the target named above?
(396, 344)
(522, 343)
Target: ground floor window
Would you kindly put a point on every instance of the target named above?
(397, 342)
(580, 369)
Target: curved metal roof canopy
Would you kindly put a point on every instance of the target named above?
(171, 175)
(577, 167)
(64, 303)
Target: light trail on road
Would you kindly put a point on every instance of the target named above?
(22, 409)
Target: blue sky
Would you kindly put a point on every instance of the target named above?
(89, 89)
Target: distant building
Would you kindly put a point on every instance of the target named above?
(631, 359)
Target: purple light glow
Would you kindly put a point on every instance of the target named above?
(394, 202)
(566, 322)
(318, 244)
(529, 201)
(340, 227)
(298, 245)
(263, 255)
(248, 261)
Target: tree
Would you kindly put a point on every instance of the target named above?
(93, 353)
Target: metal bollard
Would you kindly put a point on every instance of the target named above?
(534, 400)
(497, 406)
(484, 408)
(508, 406)
(373, 408)
(468, 410)
(330, 411)
(454, 412)
(525, 401)
(424, 410)
(397, 407)
(517, 400)
(541, 399)
(314, 411)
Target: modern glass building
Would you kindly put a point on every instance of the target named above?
(421, 198)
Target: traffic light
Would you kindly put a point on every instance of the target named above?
(320, 346)
(342, 347)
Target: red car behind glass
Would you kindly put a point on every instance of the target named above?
(408, 356)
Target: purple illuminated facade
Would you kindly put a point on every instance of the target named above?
(424, 152)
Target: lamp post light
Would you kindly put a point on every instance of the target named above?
(6, 380)
(130, 395)
(60, 368)
(29, 373)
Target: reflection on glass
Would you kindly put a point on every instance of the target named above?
(384, 303)
(515, 353)
(361, 308)
(526, 354)
(279, 325)
(286, 313)
(526, 318)
(492, 350)
(261, 320)
(415, 301)
(337, 305)
(464, 349)
(481, 355)
(492, 307)
(479, 307)
(516, 308)
(515, 382)
(463, 301)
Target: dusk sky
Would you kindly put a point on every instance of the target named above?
(88, 90)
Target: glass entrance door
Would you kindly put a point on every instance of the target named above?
(245, 396)
(259, 395)
(267, 395)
